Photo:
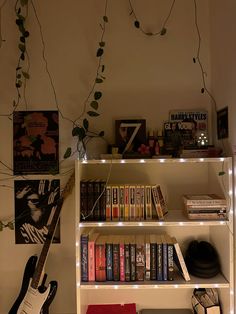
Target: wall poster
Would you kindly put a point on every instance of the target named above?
(35, 204)
(35, 142)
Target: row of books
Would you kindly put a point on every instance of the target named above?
(130, 258)
(101, 202)
(205, 206)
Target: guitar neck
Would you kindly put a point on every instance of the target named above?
(52, 227)
(44, 253)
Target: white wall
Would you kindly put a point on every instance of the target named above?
(145, 77)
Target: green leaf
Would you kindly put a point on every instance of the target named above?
(67, 153)
(136, 24)
(94, 104)
(10, 225)
(19, 21)
(99, 80)
(105, 19)
(92, 113)
(221, 173)
(203, 90)
(163, 31)
(26, 34)
(26, 75)
(101, 133)
(18, 84)
(80, 132)
(103, 68)
(21, 47)
(18, 76)
(18, 68)
(99, 52)
(97, 95)
(102, 43)
(1, 225)
(22, 56)
(85, 124)
(22, 39)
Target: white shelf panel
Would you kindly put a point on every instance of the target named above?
(173, 218)
(218, 281)
(154, 160)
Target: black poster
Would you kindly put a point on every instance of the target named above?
(35, 204)
(35, 142)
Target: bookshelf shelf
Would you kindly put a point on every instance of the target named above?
(218, 281)
(173, 218)
(176, 177)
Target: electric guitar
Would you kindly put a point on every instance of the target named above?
(34, 296)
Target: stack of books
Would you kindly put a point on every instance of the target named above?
(205, 206)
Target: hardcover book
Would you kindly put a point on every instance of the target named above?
(91, 256)
(109, 258)
(100, 259)
(156, 202)
(204, 199)
(108, 202)
(179, 260)
(84, 256)
(111, 309)
(116, 258)
(153, 257)
(115, 203)
(140, 258)
(148, 202)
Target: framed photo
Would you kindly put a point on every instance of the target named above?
(35, 203)
(222, 123)
(35, 142)
(129, 135)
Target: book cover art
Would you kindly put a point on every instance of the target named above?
(35, 204)
(35, 142)
(198, 118)
(130, 134)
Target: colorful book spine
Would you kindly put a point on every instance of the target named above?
(147, 257)
(137, 202)
(156, 203)
(122, 202)
(109, 260)
(108, 202)
(115, 203)
(140, 258)
(159, 258)
(132, 202)
(96, 200)
(116, 261)
(142, 202)
(102, 200)
(127, 261)
(127, 202)
(148, 202)
(153, 257)
(84, 256)
(164, 258)
(122, 261)
(132, 259)
(100, 261)
(91, 256)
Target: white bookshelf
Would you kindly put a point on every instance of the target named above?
(176, 177)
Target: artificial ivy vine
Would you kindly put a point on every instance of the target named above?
(81, 124)
(138, 25)
(22, 68)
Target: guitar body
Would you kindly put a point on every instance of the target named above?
(33, 301)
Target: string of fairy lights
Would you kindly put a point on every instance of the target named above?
(100, 67)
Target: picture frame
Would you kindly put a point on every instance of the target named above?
(129, 135)
(222, 123)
